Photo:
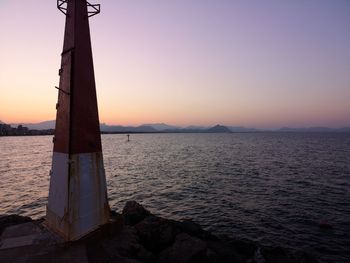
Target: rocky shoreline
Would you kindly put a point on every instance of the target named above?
(136, 235)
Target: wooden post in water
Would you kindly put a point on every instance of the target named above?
(77, 202)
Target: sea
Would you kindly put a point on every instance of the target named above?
(270, 188)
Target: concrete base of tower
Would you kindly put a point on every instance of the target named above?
(77, 203)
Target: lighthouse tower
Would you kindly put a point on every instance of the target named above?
(77, 202)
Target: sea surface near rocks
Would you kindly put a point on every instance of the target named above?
(272, 188)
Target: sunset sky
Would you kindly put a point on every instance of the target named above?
(261, 64)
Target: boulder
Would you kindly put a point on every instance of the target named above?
(280, 254)
(276, 254)
(145, 256)
(224, 252)
(114, 214)
(193, 229)
(125, 243)
(10, 220)
(122, 246)
(185, 249)
(156, 233)
(304, 257)
(133, 213)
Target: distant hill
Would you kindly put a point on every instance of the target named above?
(241, 129)
(119, 128)
(218, 129)
(184, 130)
(345, 129)
(314, 129)
(194, 127)
(161, 126)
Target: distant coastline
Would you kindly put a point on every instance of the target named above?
(20, 130)
(47, 128)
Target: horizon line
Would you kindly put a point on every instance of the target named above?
(195, 125)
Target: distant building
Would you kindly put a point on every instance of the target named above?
(22, 130)
(5, 129)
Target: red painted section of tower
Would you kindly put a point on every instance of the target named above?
(77, 121)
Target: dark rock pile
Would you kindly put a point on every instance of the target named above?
(11, 220)
(145, 237)
(136, 235)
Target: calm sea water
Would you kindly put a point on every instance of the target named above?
(267, 187)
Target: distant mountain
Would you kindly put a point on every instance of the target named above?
(145, 128)
(193, 127)
(119, 128)
(320, 129)
(161, 126)
(2, 122)
(241, 129)
(310, 129)
(345, 129)
(218, 129)
(183, 130)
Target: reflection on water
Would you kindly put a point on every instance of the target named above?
(271, 188)
(24, 173)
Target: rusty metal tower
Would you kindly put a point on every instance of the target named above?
(77, 202)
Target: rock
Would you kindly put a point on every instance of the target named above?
(10, 220)
(125, 243)
(244, 248)
(124, 246)
(186, 249)
(191, 228)
(226, 253)
(145, 256)
(304, 257)
(52, 254)
(279, 254)
(133, 213)
(211, 255)
(114, 213)
(274, 255)
(156, 233)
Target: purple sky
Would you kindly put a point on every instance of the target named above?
(255, 63)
